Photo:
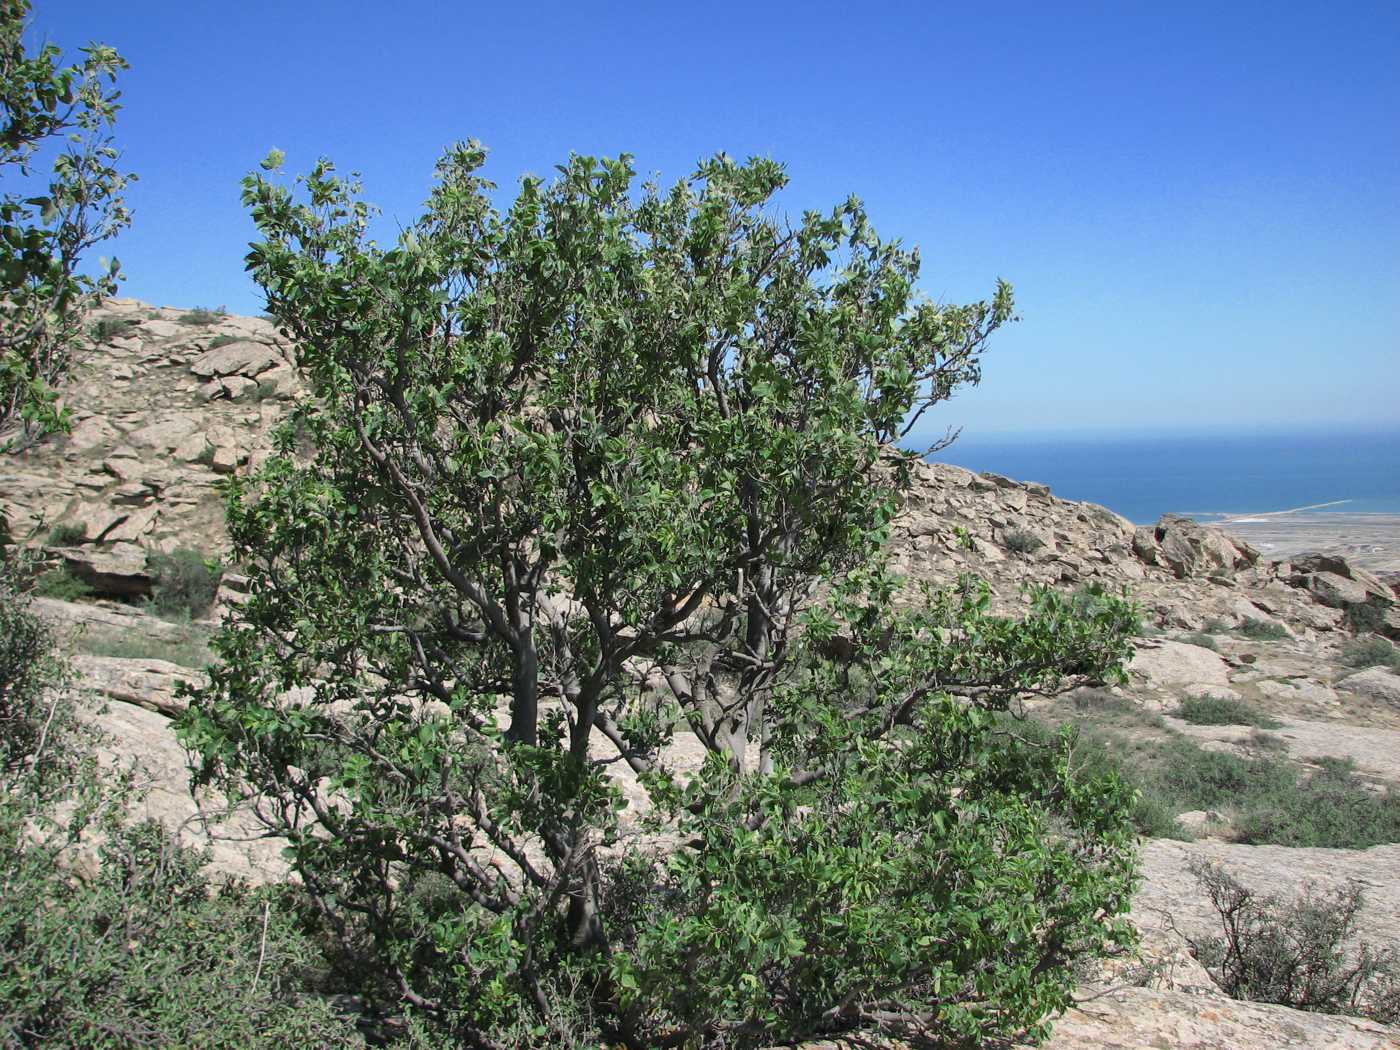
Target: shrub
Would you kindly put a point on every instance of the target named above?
(1262, 630)
(1366, 617)
(1022, 541)
(184, 583)
(533, 512)
(60, 583)
(1223, 711)
(1370, 651)
(67, 535)
(1329, 808)
(222, 340)
(1201, 638)
(39, 731)
(107, 328)
(202, 316)
(1303, 953)
(145, 952)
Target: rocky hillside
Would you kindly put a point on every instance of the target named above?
(171, 401)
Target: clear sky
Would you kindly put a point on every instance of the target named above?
(1197, 203)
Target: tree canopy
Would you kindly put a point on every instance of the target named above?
(59, 117)
(572, 669)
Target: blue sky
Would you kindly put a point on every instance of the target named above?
(1198, 204)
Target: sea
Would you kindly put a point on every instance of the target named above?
(1206, 475)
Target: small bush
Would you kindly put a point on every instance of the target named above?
(60, 583)
(1370, 651)
(1213, 626)
(221, 340)
(183, 583)
(145, 952)
(38, 729)
(1223, 711)
(1331, 808)
(202, 316)
(1301, 954)
(1200, 638)
(1261, 741)
(1262, 630)
(1022, 541)
(108, 328)
(1365, 618)
(67, 535)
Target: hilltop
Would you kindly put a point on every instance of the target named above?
(172, 401)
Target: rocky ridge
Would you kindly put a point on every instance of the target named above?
(171, 402)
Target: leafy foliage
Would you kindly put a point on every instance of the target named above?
(145, 953)
(1302, 953)
(596, 482)
(46, 229)
(38, 731)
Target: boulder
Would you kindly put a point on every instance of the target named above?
(241, 358)
(1177, 665)
(147, 683)
(1375, 683)
(1192, 549)
(1334, 590)
(116, 572)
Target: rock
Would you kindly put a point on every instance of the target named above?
(1177, 665)
(238, 844)
(242, 358)
(1316, 561)
(230, 387)
(1376, 683)
(1191, 549)
(119, 572)
(1200, 821)
(1333, 590)
(147, 683)
(1141, 1018)
(166, 434)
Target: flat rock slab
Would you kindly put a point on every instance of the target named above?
(1167, 665)
(1134, 1018)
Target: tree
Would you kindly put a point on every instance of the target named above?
(45, 230)
(595, 484)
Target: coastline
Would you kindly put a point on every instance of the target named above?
(1368, 540)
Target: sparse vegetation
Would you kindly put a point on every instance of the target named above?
(60, 583)
(184, 583)
(1201, 638)
(201, 315)
(1371, 651)
(107, 328)
(67, 535)
(1304, 953)
(1366, 617)
(1262, 630)
(1223, 711)
(222, 340)
(190, 651)
(1022, 541)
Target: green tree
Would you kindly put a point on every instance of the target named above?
(59, 116)
(598, 501)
